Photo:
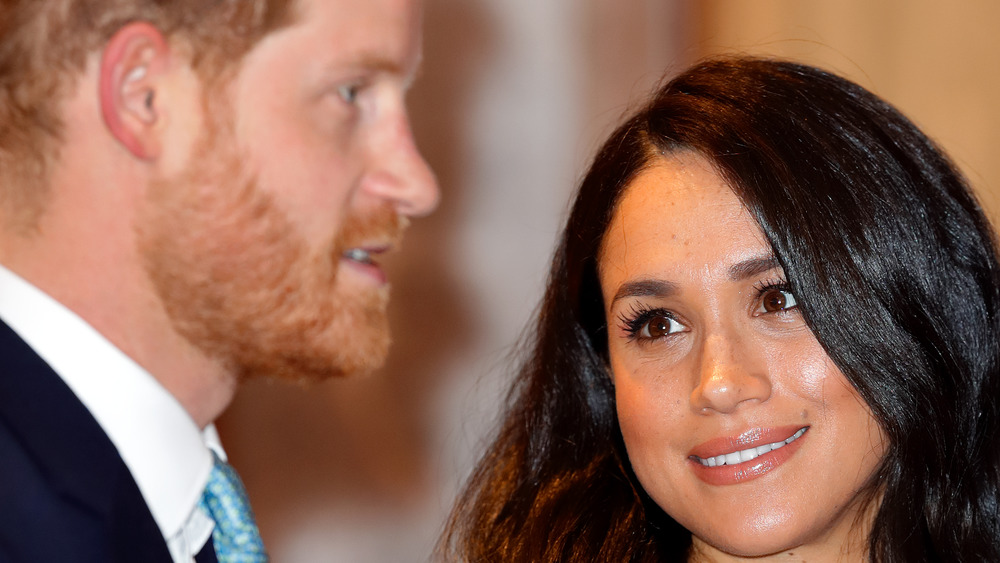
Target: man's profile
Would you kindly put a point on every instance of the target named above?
(192, 193)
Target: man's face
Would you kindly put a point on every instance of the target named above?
(262, 245)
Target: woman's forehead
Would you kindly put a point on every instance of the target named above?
(679, 209)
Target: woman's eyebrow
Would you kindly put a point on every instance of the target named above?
(753, 267)
(662, 288)
(645, 288)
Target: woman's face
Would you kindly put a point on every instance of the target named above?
(736, 421)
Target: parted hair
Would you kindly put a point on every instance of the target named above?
(894, 267)
(46, 44)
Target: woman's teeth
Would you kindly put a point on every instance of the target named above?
(748, 454)
(358, 255)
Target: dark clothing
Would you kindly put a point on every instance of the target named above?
(65, 493)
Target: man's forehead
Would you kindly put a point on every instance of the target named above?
(374, 35)
(359, 15)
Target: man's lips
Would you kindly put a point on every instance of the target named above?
(362, 260)
(359, 255)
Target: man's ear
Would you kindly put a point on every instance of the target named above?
(132, 66)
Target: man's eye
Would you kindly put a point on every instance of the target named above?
(349, 92)
(659, 325)
(775, 300)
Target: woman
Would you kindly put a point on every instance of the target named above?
(771, 327)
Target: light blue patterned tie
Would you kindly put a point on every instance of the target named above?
(225, 499)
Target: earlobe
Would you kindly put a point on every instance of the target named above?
(131, 66)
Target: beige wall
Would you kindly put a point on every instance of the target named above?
(938, 62)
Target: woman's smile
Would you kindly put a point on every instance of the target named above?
(733, 460)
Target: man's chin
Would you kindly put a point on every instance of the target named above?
(354, 359)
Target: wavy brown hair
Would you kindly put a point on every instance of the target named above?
(892, 263)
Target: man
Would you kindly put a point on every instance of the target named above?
(192, 193)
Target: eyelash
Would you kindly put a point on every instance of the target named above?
(635, 320)
(764, 286)
(639, 315)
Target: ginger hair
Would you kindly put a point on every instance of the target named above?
(45, 46)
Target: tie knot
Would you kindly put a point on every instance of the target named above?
(236, 537)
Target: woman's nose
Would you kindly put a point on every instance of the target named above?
(729, 376)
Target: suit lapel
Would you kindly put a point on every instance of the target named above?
(72, 450)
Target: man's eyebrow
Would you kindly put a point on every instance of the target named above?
(379, 63)
(645, 288)
(753, 267)
(362, 62)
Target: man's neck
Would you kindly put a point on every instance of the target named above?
(107, 286)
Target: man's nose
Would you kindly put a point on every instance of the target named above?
(399, 173)
(729, 376)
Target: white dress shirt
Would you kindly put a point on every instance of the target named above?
(168, 456)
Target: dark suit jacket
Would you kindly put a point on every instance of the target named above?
(65, 493)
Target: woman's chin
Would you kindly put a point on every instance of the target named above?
(759, 536)
(743, 547)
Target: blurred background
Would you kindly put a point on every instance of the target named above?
(514, 98)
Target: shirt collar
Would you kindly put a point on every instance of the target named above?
(168, 456)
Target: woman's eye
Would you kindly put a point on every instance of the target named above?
(659, 325)
(775, 300)
(645, 325)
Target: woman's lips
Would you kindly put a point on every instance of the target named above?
(731, 460)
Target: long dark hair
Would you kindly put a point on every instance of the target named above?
(894, 267)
